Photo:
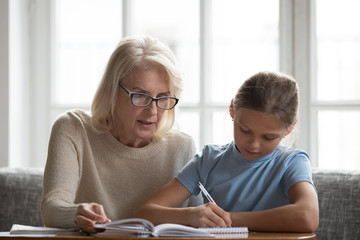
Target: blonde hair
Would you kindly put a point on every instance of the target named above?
(133, 54)
(270, 93)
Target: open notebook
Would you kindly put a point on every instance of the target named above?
(143, 227)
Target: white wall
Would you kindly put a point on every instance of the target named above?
(20, 101)
(4, 83)
(24, 118)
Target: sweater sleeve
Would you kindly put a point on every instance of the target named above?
(61, 175)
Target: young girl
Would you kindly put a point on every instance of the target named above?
(254, 181)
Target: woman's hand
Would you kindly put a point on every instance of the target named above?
(88, 214)
(209, 215)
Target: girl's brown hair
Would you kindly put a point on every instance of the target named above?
(270, 93)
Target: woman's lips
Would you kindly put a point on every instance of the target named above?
(146, 123)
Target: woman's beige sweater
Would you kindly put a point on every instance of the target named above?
(86, 166)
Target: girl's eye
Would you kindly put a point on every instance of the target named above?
(244, 131)
(269, 138)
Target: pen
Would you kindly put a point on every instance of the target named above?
(207, 195)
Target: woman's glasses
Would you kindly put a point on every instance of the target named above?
(144, 100)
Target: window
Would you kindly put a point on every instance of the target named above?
(215, 47)
(337, 91)
(218, 44)
(182, 35)
(83, 46)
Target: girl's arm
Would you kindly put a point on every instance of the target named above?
(301, 215)
(161, 208)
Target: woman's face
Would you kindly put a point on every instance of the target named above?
(135, 126)
(256, 134)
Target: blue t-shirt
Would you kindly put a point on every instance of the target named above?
(237, 184)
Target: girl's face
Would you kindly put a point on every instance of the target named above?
(135, 126)
(256, 134)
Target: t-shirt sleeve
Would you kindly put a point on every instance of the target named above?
(189, 175)
(298, 170)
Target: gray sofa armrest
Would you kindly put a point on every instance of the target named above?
(20, 197)
(339, 204)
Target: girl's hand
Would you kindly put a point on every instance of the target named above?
(209, 215)
(88, 214)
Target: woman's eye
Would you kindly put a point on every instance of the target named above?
(141, 96)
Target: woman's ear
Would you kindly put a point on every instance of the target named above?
(231, 109)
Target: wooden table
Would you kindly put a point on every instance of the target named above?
(250, 235)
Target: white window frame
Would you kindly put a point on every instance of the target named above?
(297, 38)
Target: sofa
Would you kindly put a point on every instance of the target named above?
(338, 191)
(20, 196)
(339, 204)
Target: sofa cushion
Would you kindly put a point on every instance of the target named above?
(339, 204)
(20, 197)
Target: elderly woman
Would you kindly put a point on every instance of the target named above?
(103, 165)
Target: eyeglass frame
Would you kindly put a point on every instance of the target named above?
(131, 94)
